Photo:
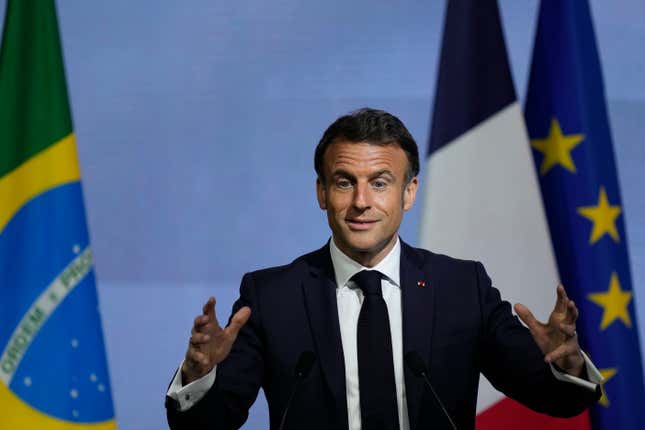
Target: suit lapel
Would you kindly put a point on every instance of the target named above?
(320, 299)
(417, 303)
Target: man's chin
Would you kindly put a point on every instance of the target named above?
(361, 242)
(365, 245)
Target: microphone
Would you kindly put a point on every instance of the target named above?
(303, 367)
(415, 362)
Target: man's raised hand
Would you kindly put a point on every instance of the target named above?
(557, 338)
(209, 343)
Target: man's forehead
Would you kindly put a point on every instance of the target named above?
(363, 154)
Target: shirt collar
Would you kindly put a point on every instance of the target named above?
(345, 267)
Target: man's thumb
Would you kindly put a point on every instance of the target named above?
(239, 319)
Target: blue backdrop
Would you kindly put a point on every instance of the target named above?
(196, 124)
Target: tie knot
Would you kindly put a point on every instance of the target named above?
(369, 281)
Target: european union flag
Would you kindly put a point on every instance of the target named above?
(569, 130)
(53, 372)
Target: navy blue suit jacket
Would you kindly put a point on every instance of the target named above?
(457, 322)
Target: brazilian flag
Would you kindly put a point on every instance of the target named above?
(53, 371)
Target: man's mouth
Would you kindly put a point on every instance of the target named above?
(359, 224)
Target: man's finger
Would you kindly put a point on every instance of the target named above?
(196, 358)
(202, 325)
(572, 312)
(209, 313)
(237, 322)
(199, 338)
(209, 308)
(564, 350)
(562, 299)
(526, 316)
(200, 321)
(568, 329)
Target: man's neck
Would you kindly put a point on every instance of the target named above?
(368, 258)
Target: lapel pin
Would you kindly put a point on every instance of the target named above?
(421, 283)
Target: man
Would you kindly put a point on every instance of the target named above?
(362, 303)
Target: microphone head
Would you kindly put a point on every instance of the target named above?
(415, 362)
(305, 363)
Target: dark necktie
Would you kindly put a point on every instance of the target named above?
(375, 364)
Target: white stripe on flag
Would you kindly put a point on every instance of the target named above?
(482, 202)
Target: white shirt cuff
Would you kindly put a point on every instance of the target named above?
(593, 374)
(192, 393)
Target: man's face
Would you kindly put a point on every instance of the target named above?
(365, 196)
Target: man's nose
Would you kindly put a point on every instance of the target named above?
(362, 196)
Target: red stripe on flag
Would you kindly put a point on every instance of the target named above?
(507, 414)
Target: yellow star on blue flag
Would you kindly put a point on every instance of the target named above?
(607, 374)
(603, 216)
(556, 148)
(614, 303)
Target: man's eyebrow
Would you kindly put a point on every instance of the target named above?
(342, 173)
(345, 174)
(383, 173)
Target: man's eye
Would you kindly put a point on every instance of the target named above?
(343, 183)
(379, 184)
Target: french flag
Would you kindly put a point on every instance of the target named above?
(482, 199)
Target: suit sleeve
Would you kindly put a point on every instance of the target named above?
(239, 376)
(514, 364)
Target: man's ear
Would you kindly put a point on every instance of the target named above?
(410, 193)
(321, 194)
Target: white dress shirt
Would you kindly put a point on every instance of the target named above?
(349, 299)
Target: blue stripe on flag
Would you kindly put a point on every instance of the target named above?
(474, 76)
